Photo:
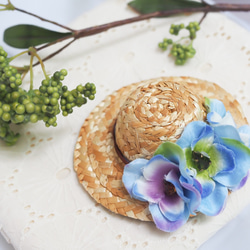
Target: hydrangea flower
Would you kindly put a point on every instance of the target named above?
(225, 127)
(172, 195)
(217, 114)
(194, 174)
(223, 122)
(218, 162)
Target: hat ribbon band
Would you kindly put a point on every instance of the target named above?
(124, 159)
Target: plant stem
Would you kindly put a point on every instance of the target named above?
(54, 53)
(203, 17)
(19, 54)
(209, 8)
(31, 72)
(43, 19)
(33, 53)
(104, 27)
(76, 34)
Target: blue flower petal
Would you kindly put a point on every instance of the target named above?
(193, 132)
(242, 183)
(132, 172)
(215, 202)
(193, 192)
(244, 132)
(213, 118)
(228, 120)
(222, 160)
(242, 164)
(226, 131)
(163, 223)
(206, 138)
(207, 184)
(214, 105)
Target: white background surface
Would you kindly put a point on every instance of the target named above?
(235, 234)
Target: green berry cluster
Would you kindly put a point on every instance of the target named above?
(181, 52)
(193, 27)
(175, 28)
(76, 97)
(164, 44)
(18, 106)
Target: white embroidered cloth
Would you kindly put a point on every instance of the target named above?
(42, 205)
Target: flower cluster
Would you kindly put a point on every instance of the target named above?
(196, 173)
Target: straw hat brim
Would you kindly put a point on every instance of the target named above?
(99, 168)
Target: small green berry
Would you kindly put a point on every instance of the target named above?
(70, 98)
(6, 117)
(19, 118)
(33, 118)
(64, 72)
(6, 108)
(30, 107)
(53, 101)
(20, 109)
(64, 113)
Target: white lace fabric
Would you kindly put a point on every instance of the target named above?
(42, 205)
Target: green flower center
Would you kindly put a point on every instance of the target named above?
(200, 161)
(169, 188)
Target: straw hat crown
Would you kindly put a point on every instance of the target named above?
(153, 113)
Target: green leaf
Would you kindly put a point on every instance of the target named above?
(171, 151)
(24, 36)
(149, 6)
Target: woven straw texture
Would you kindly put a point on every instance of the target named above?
(154, 113)
(99, 168)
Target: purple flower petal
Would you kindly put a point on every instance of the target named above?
(162, 222)
(172, 207)
(157, 167)
(152, 191)
(215, 202)
(132, 172)
(173, 178)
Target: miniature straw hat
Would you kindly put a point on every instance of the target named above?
(131, 123)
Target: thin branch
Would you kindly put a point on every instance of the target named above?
(31, 71)
(104, 27)
(44, 19)
(208, 8)
(56, 41)
(76, 34)
(54, 53)
(203, 17)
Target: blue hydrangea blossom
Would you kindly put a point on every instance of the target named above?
(196, 173)
(172, 196)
